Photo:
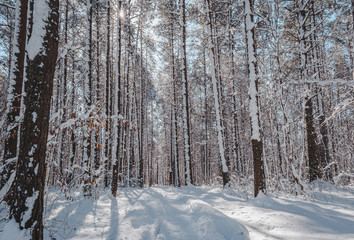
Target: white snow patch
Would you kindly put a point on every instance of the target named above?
(252, 61)
(29, 204)
(33, 148)
(12, 231)
(7, 186)
(194, 213)
(40, 16)
(34, 117)
(36, 169)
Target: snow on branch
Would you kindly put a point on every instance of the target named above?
(7, 5)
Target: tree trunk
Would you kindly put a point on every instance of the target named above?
(15, 91)
(311, 141)
(185, 95)
(304, 72)
(26, 199)
(107, 154)
(87, 158)
(352, 48)
(257, 145)
(216, 90)
(116, 110)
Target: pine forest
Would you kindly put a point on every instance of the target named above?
(191, 104)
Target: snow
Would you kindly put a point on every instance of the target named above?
(29, 204)
(325, 213)
(36, 169)
(40, 16)
(12, 231)
(33, 148)
(251, 57)
(34, 117)
(7, 186)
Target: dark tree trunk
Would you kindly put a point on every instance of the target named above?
(311, 142)
(26, 199)
(352, 49)
(259, 177)
(142, 115)
(96, 129)
(14, 104)
(108, 82)
(186, 113)
(116, 163)
(325, 152)
(88, 158)
(206, 116)
(257, 145)
(64, 132)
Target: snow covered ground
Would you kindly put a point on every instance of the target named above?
(201, 213)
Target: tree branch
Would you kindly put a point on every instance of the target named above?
(7, 5)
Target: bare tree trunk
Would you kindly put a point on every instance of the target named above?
(217, 100)
(206, 115)
(117, 96)
(26, 199)
(185, 95)
(352, 48)
(87, 158)
(63, 136)
(309, 119)
(96, 129)
(257, 145)
(311, 141)
(15, 91)
(324, 157)
(142, 115)
(108, 153)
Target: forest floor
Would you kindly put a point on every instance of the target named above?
(200, 213)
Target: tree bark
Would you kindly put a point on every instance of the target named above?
(26, 200)
(217, 100)
(257, 145)
(15, 91)
(116, 127)
(185, 95)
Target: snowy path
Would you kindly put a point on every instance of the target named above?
(197, 213)
(166, 214)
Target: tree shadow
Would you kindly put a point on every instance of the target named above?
(69, 219)
(132, 194)
(114, 223)
(170, 215)
(334, 222)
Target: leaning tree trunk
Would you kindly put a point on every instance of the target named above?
(257, 145)
(224, 167)
(26, 199)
